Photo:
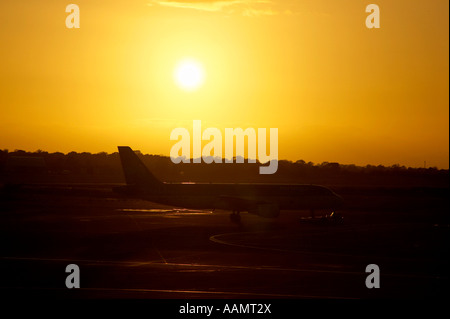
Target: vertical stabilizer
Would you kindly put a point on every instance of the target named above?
(136, 173)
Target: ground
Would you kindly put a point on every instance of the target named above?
(131, 248)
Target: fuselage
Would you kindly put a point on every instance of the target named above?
(230, 196)
(265, 200)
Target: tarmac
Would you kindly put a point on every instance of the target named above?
(131, 248)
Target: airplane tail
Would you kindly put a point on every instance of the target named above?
(136, 173)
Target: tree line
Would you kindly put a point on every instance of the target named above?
(106, 167)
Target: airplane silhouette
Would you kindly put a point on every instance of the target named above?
(265, 200)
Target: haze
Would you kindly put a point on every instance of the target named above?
(336, 91)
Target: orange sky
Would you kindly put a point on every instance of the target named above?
(336, 91)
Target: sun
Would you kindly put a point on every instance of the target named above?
(189, 74)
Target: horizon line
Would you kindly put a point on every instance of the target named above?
(234, 157)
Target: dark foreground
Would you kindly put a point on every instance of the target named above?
(128, 248)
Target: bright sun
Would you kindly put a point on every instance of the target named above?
(189, 74)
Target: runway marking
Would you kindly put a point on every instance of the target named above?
(174, 212)
(159, 253)
(72, 260)
(140, 229)
(197, 292)
(237, 267)
(223, 242)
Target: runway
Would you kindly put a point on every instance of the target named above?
(128, 248)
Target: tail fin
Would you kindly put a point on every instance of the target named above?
(136, 173)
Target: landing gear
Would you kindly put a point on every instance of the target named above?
(334, 218)
(235, 217)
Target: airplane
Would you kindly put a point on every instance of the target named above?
(265, 200)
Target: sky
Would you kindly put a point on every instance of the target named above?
(336, 90)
